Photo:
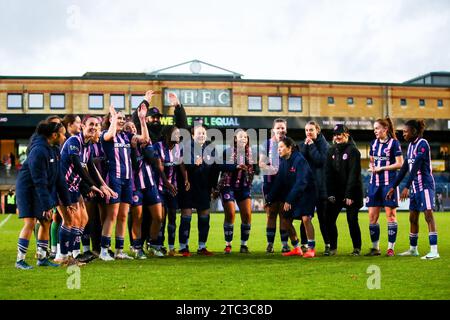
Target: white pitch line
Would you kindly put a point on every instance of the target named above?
(6, 220)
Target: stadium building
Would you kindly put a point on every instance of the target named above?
(225, 100)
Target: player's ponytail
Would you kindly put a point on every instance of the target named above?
(418, 126)
(387, 123)
(421, 126)
(391, 129)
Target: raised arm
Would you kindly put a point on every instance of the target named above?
(179, 112)
(111, 133)
(144, 138)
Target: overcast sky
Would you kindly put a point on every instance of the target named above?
(379, 40)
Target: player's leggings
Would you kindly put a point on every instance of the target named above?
(332, 213)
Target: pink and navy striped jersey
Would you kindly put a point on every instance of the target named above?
(384, 154)
(170, 159)
(118, 155)
(74, 146)
(419, 164)
(143, 176)
(237, 178)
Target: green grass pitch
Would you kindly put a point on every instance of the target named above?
(257, 276)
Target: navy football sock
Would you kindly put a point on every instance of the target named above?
(228, 230)
(203, 228)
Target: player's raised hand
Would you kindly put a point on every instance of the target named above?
(149, 95)
(142, 111)
(113, 112)
(173, 99)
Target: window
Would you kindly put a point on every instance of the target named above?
(254, 103)
(350, 101)
(14, 101)
(118, 101)
(330, 100)
(295, 104)
(369, 101)
(96, 101)
(421, 102)
(136, 100)
(57, 101)
(275, 104)
(440, 103)
(36, 101)
(403, 102)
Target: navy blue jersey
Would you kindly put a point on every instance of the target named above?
(170, 160)
(419, 164)
(384, 154)
(118, 154)
(236, 178)
(74, 146)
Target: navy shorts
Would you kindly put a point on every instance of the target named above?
(74, 196)
(232, 194)
(123, 189)
(169, 200)
(267, 186)
(376, 197)
(29, 205)
(96, 199)
(199, 199)
(422, 200)
(299, 211)
(146, 197)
